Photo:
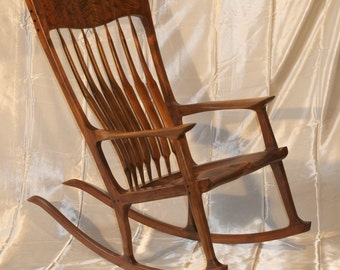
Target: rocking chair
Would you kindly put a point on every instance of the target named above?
(105, 52)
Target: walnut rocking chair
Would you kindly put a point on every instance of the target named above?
(105, 52)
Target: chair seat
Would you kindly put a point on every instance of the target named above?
(215, 173)
(226, 170)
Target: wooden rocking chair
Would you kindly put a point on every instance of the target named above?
(106, 53)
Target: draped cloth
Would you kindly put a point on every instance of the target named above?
(213, 50)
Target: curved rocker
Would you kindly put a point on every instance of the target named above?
(105, 53)
(296, 225)
(125, 263)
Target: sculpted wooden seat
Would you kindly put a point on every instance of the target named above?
(106, 53)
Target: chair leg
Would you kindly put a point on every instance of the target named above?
(285, 192)
(125, 231)
(191, 226)
(201, 224)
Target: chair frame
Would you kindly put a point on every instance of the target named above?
(55, 14)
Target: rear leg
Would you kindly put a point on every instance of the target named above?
(125, 231)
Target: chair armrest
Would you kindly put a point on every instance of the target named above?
(169, 132)
(251, 104)
(256, 104)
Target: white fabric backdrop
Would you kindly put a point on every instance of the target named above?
(213, 49)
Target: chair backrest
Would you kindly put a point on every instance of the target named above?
(106, 53)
